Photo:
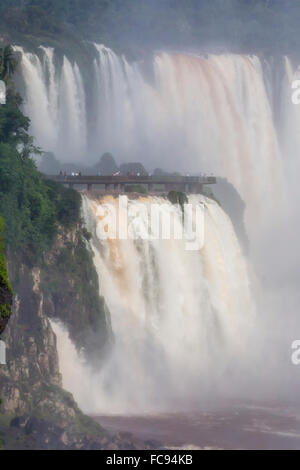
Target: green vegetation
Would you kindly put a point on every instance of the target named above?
(7, 63)
(5, 419)
(42, 229)
(6, 296)
(135, 188)
(242, 25)
(48, 422)
(67, 203)
(6, 292)
(32, 207)
(49, 165)
(177, 197)
(36, 212)
(81, 424)
(71, 286)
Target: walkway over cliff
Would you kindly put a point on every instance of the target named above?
(188, 184)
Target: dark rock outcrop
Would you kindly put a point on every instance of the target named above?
(6, 298)
(70, 286)
(31, 383)
(233, 205)
(27, 432)
(6, 293)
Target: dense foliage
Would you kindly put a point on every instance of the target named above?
(32, 207)
(242, 24)
(135, 188)
(71, 286)
(7, 63)
(5, 287)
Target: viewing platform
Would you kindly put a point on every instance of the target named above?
(187, 184)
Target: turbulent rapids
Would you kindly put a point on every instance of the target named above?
(173, 313)
(180, 320)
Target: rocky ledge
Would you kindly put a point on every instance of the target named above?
(28, 432)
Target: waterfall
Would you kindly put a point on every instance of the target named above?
(55, 101)
(181, 111)
(181, 319)
(37, 100)
(72, 118)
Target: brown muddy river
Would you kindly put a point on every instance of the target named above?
(237, 427)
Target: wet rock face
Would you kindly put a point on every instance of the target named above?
(32, 360)
(6, 293)
(38, 433)
(30, 432)
(3, 324)
(39, 413)
(42, 414)
(71, 294)
(6, 300)
(30, 382)
(31, 379)
(64, 287)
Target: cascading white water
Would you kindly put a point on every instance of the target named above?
(172, 311)
(198, 114)
(55, 102)
(289, 126)
(179, 317)
(191, 113)
(36, 100)
(72, 117)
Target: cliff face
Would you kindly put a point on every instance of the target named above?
(32, 361)
(30, 383)
(5, 304)
(71, 293)
(6, 294)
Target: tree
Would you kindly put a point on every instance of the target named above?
(8, 63)
(49, 165)
(106, 165)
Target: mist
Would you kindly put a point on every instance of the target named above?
(195, 114)
(135, 26)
